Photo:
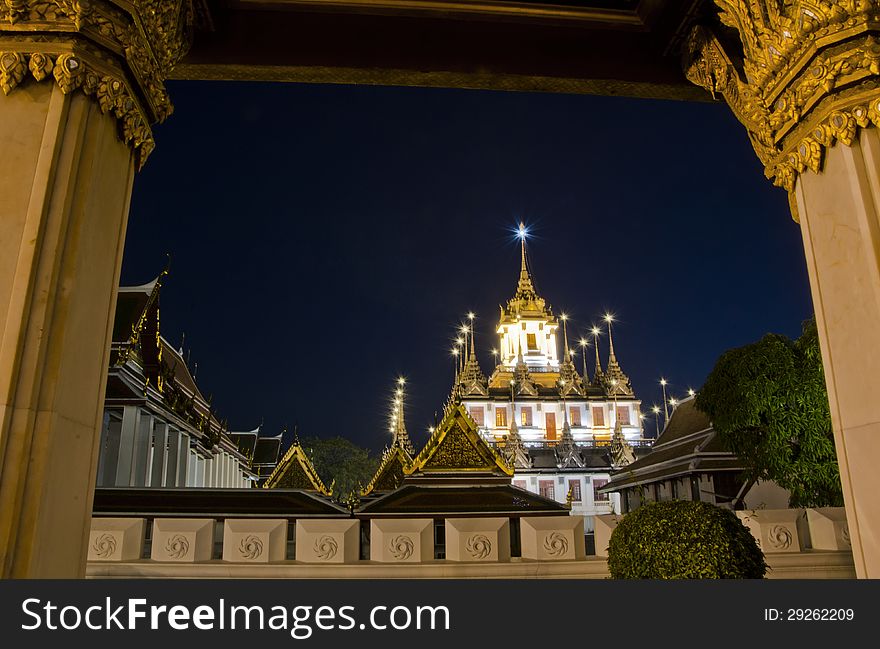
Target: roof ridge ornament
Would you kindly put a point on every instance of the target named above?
(296, 471)
(616, 382)
(455, 446)
(802, 77)
(621, 451)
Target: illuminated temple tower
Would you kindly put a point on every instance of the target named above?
(561, 429)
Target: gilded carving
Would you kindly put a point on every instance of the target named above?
(806, 78)
(456, 444)
(13, 67)
(118, 53)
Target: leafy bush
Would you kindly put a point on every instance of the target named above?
(683, 540)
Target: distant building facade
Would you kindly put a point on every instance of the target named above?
(158, 429)
(556, 426)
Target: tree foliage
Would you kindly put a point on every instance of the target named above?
(339, 462)
(769, 405)
(682, 539)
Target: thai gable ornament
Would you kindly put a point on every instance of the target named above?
(117, 52)
(799, 74)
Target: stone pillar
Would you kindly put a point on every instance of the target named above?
(840, 220)
(161, 457)
(805, 86)
(81, 83)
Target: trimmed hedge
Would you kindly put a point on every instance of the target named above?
(683, 539)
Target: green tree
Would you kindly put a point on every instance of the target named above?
(768, 403)
(341, 463)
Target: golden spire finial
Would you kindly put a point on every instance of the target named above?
(595, 331)
(584, 343)
(525, 289)
(567, 355)
(609, 318)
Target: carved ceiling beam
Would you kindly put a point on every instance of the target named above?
(800, 75)
(118, 52)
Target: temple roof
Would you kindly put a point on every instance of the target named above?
(688, 445)
(296, 471)
(391, 471)
(210, 502)
(414, 499)
(456, 446)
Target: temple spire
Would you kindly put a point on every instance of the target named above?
(611, 357)
(401, 436)
(597, 375)
(525, 289)
(584, 343)
(567, 352)
(614, 377)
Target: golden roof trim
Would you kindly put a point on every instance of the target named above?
(392, 454)
(298, 453)
(458, 418)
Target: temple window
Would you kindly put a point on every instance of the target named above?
(501, 417)
(623, 415)
(574, 415)
(574, 488)
(598, 416)
(597, 484)
(532, 341)
(526, 416)
(477, 415)
(547, 489)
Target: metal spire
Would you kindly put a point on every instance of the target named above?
(567, 353)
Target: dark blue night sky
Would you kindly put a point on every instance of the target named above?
(326, 239)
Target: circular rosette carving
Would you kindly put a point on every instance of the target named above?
(401, 547)
(251, 547)
(104, 546)
(478, 546)
(555, 544)
(779, 537)
(326, 547)
(177, 546)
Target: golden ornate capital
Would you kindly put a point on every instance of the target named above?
(799, 74)
(119, 52)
